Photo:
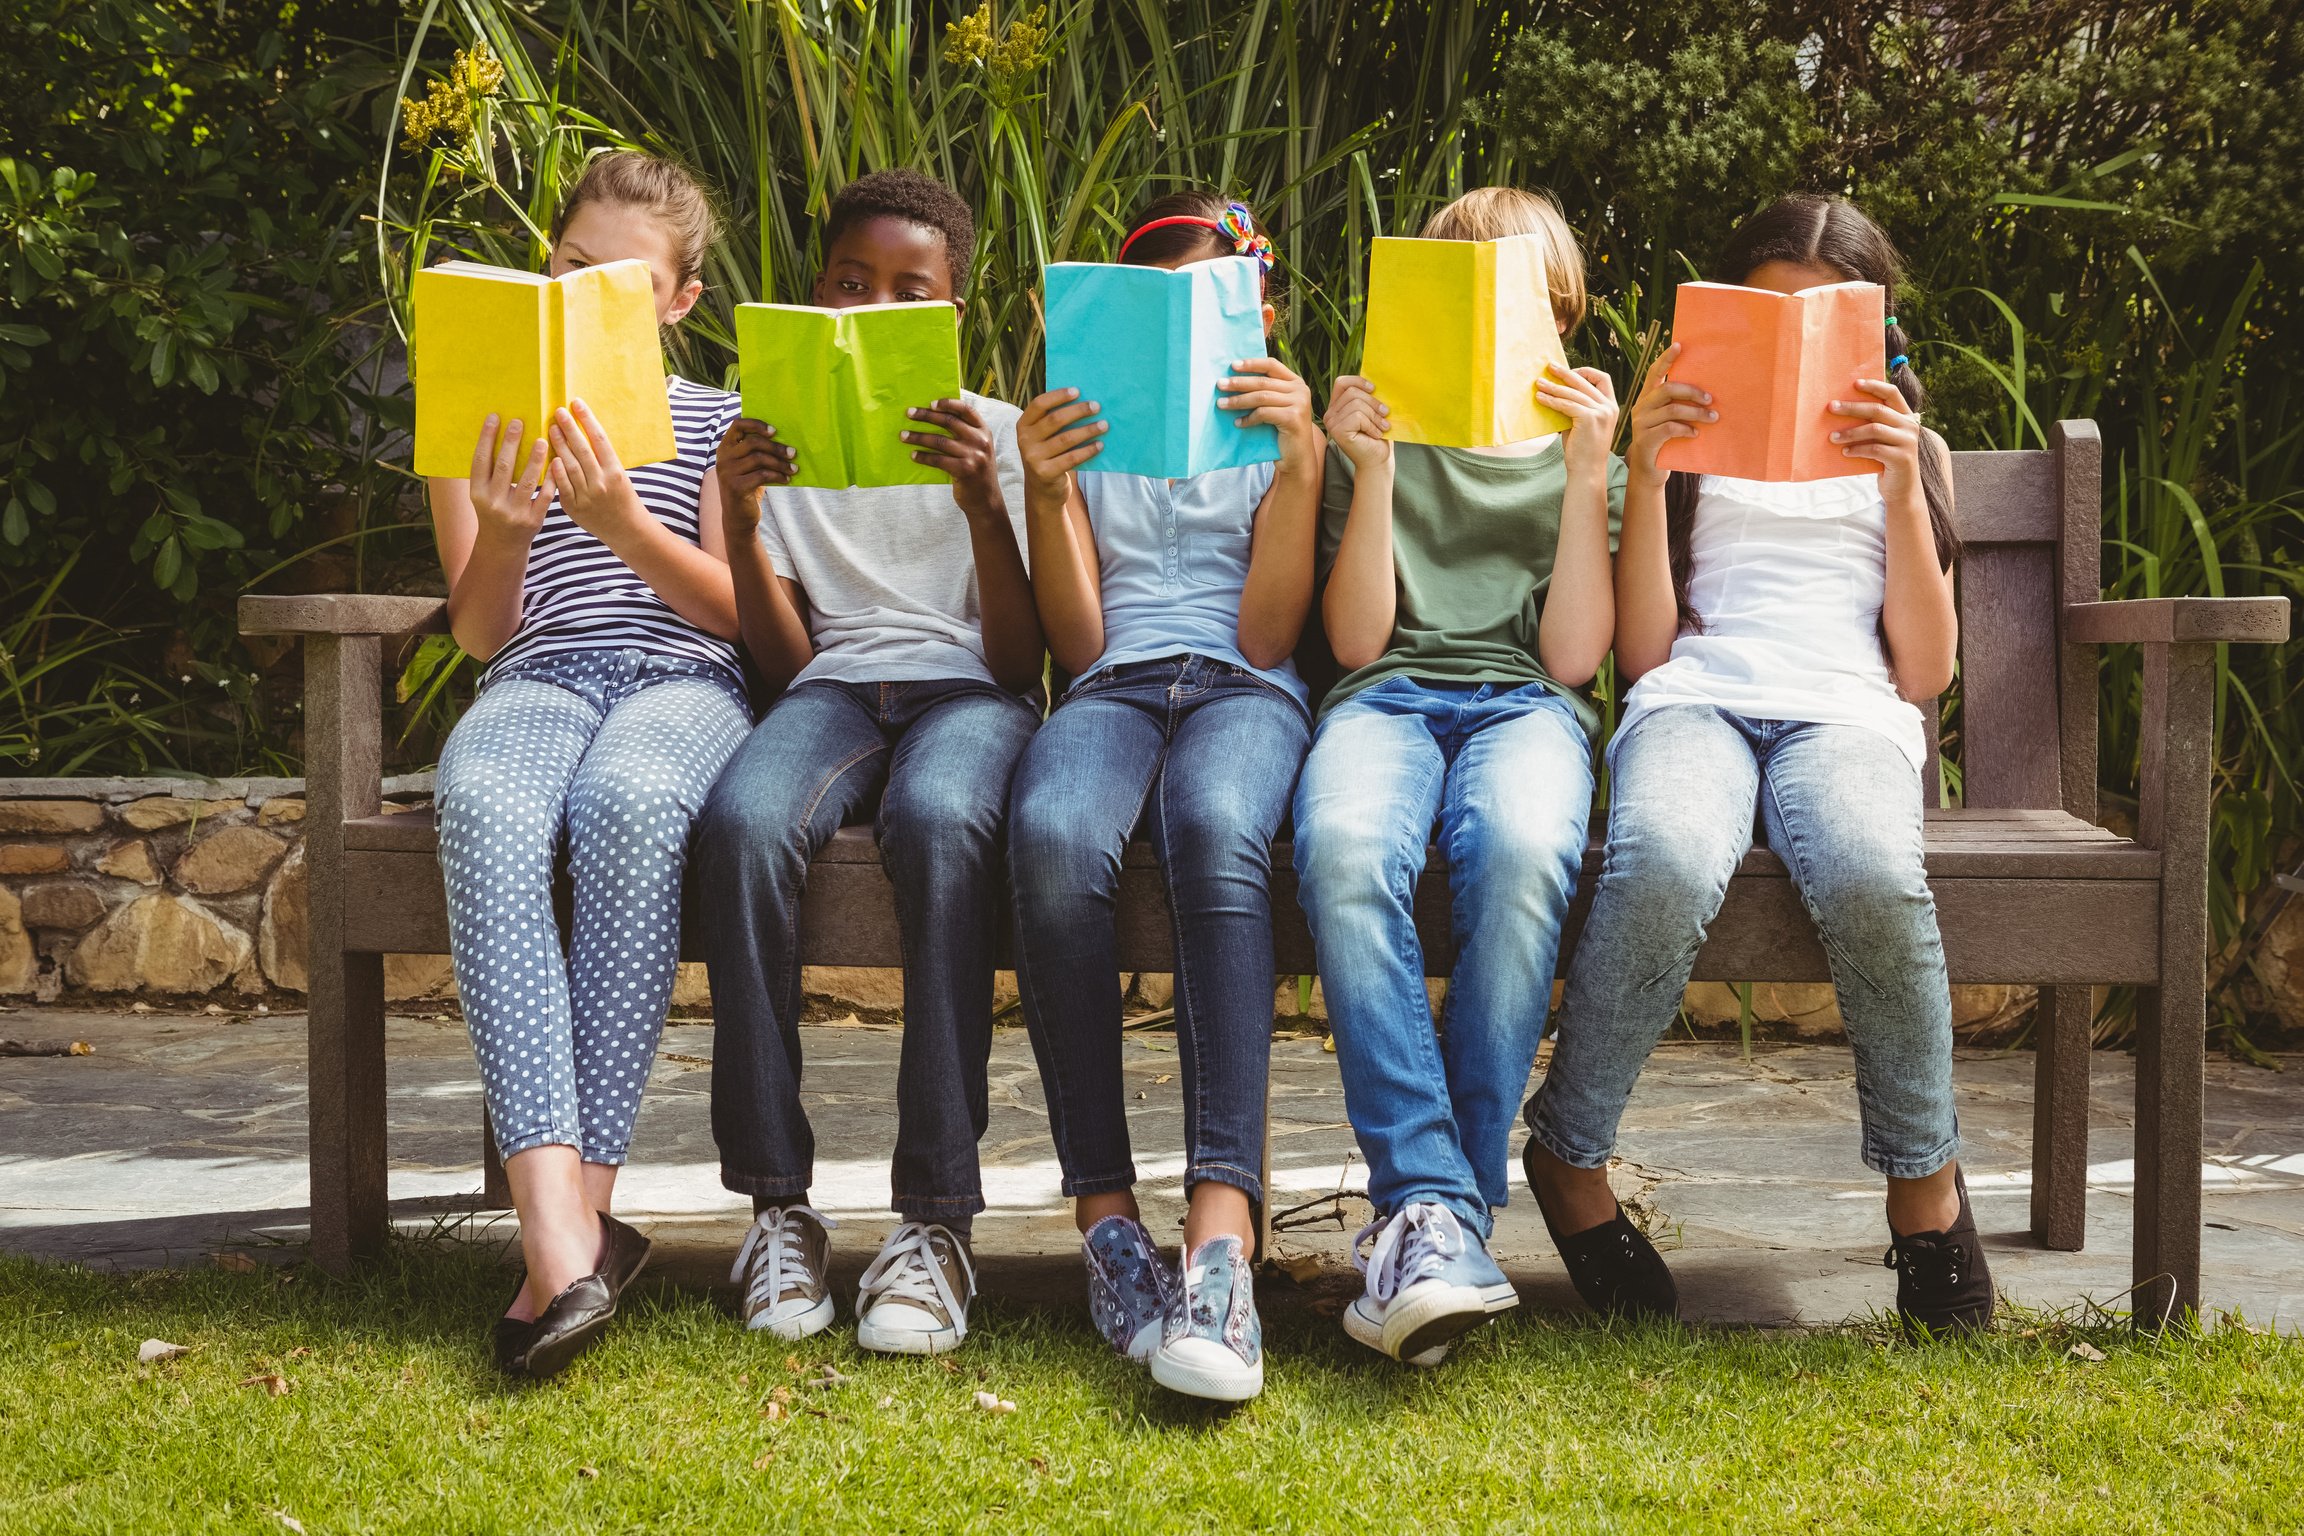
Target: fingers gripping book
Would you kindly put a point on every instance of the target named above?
(836, 384)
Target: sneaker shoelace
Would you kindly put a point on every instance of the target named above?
(907, 1270)
(1414, 1245)
(1930, 1263)
(772, 1240)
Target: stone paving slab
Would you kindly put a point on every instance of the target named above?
(184, 1135)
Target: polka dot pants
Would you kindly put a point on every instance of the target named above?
(611, 753)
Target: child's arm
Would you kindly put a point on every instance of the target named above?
(1917, 615)
(1363, 596)
(483, 527)
(770, 609)
(1647, 614)
(1579, 615)
(966, 451)
(1054, 437)
(1278, 595)
(598, 497)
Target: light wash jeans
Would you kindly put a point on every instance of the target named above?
(1841, 806)
(1508, 774)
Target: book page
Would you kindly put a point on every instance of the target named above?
(1424, 353)
(478, 348)
(1728, 339)
(1115, 333)
(788, 373)
(1223, 323)
(1526, 338)
(893, 357)
(1843, 338)
(612, 358)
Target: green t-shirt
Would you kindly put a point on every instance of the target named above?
(1473, 537)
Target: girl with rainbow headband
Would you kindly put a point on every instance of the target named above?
(1176, 604)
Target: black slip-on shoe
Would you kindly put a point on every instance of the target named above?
(1943, 1284)
(567, 1327)
(1613, 1266)
(624, 1253)
(512, 1339)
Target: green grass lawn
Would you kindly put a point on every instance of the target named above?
(392, 1420)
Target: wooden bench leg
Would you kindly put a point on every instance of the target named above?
(2172, 1018)
(495, 1188)
(2060, 1118)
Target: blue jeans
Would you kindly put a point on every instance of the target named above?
(1202, 755)
(1841, 806)
(1508, 773)
(609, 753)
(938, 755)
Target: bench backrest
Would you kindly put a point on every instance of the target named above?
(2031, 523)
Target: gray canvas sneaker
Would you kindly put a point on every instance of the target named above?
(913, 1299)
(784, 1271)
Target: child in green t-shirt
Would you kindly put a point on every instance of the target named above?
(1467, 598)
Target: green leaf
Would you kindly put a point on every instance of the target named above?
(167, 561)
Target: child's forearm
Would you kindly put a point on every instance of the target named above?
(773, 632)
(1647, 614)
(485, 598)
(1013, 646)
(1579, 615)
(1363, 597)
(1918, 615)
(696, 585)
(1065, 591)
(1277, 596)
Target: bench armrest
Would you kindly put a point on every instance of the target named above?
(2176, 620)
(340, 613)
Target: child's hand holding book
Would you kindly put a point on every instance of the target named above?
(1665, 409)
(749, 459)
(1890, 435)
(1587, 397)
(508, 496)
(1058, 433)
(594, 490)
(1265, 392)
(1359, 423)
(963, 450)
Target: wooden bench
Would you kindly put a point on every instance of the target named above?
(2029, 889)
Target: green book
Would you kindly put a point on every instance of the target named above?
(836, 384)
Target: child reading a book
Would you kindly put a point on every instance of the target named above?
(1176, 604)
(898, 621)
(1779, 637)
(1467, 599)
(601, 601)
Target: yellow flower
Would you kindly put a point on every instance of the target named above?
(1021, 50)
(448, 104)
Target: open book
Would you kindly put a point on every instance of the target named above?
(1149, 346)
(1774, 363)
(1459, 332)
(836, 385)
(523, 345)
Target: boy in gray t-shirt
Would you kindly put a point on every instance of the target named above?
(899, 624)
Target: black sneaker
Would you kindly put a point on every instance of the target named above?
(1614, 1267)
(1942, 1282)
(512, 1338)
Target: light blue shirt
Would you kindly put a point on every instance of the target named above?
(1174, 559)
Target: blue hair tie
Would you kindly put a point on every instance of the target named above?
(1898, 361)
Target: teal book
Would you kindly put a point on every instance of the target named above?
(1149, 346)
(836, 384)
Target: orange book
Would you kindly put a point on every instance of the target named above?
(1774, 363)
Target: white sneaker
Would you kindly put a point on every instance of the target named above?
(1428, 1281)
(784, 1271)
(913, 1299)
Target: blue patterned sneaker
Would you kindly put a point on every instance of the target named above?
(1129, 1285)
(1211, 1344)
(1428, 1281)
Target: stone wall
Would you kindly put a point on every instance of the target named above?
(174, 888)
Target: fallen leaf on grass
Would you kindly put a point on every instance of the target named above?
(760, 1462)
(772, 1412)
(237, 1263)
(792, 1364)
(273, 1383)
(587, 1471)
(992, 1403)
(159, 1349)
(828, 1377)
(1302, 1268)
(1162, 1078)
(289, 1521)
(300, 1351)
(1039, 1463)
(744, 1379)
(2086, 1351)
(949, 1366)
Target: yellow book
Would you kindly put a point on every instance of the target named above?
(1459, 332)
(522, 345)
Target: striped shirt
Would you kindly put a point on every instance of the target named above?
(578, 596)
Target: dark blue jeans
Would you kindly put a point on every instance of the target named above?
(1204, 757)
(939, 756)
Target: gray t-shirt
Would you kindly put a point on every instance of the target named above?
(888, 570)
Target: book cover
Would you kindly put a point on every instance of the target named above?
(836, 384)
(522, 345)
(1149, 346)
(1774, 363)
(1459, 332)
